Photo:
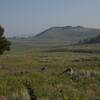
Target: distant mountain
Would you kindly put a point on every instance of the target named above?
(21, 35)
(66, 34)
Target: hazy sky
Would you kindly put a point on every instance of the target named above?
(34, 16)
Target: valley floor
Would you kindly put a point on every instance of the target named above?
(35, 74)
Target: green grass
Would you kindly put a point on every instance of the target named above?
(21, 67)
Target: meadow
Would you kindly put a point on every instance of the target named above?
(34, 71)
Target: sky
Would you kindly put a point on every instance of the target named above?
(33, 16)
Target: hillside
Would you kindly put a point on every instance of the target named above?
(41, 67)
(67, 34)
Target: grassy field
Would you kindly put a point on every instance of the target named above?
(33, 71)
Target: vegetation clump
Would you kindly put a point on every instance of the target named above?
(4, 43)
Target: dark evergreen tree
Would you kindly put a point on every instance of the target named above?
(4, 43)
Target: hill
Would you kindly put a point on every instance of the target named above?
(67, 34)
